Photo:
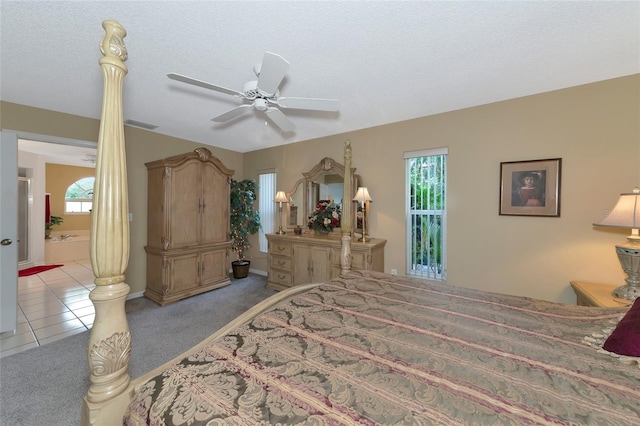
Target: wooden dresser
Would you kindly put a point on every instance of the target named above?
(187, 226)
(308, 258)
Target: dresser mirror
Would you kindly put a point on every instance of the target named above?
(324, 181)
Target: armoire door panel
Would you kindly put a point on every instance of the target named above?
(185, 209)
(215, 201)
(214, 267)
(184, 272)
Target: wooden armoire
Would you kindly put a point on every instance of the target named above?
(187, 226)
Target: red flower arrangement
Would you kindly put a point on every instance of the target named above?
(325, 217)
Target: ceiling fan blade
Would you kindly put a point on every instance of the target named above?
(272, 71)
(280, 120)
(189, 80)
(309, 103)
(232, 113)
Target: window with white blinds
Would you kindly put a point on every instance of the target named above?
(426, 173)
(267, 192)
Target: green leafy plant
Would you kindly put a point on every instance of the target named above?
(53, 220)
(244, 220)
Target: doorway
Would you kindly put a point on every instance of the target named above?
(53, 304)
(34, 152)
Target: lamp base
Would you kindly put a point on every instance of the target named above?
(627, 292)
(280, 231)
(629, 257)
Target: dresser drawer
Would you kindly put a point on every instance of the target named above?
(280, 262)
(280, 277)
(283, 249)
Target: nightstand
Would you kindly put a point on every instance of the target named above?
(592, 294)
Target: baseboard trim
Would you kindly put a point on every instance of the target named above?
(135, 295)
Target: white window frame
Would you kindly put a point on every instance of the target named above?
(86, 204)
(267, 207)
(427, 266)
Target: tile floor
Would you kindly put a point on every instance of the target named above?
(52, 305)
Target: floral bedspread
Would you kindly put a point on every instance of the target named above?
(374, 349)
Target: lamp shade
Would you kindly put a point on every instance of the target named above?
(281, 197)
(362, 195)
(626, 212)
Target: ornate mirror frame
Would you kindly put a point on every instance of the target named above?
(326, 166)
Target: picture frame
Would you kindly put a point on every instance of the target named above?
(530, 188)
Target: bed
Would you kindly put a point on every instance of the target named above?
(364, 348)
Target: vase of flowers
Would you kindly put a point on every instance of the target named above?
(325, 217)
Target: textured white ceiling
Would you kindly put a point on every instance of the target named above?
(60, 153)
(386, 61)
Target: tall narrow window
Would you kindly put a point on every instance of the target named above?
(426, 213)
(267, 182)
(79, 196)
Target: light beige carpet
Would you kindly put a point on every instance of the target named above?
(45, 385)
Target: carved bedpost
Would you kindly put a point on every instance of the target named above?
(345, 254)
(109, 345)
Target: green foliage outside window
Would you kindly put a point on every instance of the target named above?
(427, 205)
(82, 188)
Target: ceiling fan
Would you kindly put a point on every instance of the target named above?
(263, 94)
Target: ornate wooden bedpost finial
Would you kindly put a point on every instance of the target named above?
(345, 254)
(109, 345)
(112, 44)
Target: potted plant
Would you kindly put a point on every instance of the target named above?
(53, 220)
(244, 221)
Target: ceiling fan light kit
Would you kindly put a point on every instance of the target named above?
(263, 94)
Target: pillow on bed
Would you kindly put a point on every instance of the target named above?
(625, 339)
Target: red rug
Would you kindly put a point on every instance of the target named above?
(36, 270)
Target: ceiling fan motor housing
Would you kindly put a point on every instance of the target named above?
(251, 92)
(260, 104)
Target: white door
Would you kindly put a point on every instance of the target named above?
(8, 231)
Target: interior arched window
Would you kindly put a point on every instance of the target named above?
(79, 196)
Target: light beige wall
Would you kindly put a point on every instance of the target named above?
(141, 147)
(594, 128)
(58, 179)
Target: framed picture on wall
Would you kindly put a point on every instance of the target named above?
(530, 188)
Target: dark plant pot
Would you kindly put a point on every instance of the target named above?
(240, 268)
